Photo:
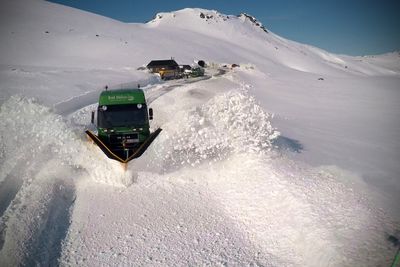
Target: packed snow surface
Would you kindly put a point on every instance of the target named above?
(289, 159)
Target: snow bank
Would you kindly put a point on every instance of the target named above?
(30, 130)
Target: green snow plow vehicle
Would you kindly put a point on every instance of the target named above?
(123, 124)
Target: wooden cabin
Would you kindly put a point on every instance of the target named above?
(156, 66)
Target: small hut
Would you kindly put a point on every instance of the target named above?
(156, 65)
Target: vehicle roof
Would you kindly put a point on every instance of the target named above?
(122, 96)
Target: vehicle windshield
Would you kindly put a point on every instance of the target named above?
(122, 115)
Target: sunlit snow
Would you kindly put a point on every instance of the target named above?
(289, 159)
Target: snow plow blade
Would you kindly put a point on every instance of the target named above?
(134, 152)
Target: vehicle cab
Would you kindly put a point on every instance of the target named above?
(123, 118)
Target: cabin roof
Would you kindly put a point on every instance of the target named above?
(167, 62)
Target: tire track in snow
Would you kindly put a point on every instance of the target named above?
(36, 223)
(38, 194)
(37, 219)
(48, 250)
(8, 190)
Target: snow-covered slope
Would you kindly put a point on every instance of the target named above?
(68, 37)
(219, 186)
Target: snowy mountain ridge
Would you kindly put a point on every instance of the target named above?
(210, 16)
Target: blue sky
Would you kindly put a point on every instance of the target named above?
(352, 27)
